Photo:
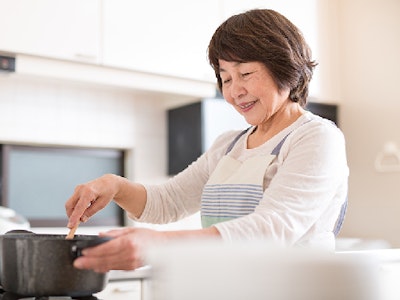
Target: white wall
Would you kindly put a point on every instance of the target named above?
(37, 111)
(369, 34)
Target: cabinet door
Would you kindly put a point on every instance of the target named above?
(64, 29)
(165, 37)
(122, 290)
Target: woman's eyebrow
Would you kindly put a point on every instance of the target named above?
(235, 65)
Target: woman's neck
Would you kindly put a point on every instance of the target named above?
(280, 120)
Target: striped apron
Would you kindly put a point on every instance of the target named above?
(235, 188)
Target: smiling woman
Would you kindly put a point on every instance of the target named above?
(283, 52)
(250, 88)
(283, 179)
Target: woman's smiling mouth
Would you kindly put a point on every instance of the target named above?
(247, 105)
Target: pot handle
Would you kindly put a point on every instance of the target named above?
(19, 231)
(78, 246)
(76, 251)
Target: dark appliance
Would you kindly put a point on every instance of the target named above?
(37, 181)
(7, 63)
(184, 136)
(325, 110)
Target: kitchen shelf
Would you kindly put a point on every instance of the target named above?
(30, 65)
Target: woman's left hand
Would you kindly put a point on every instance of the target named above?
(124, 252)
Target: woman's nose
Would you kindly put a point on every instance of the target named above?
(237, 89)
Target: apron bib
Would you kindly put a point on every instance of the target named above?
(235, 188)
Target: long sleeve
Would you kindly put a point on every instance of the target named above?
(180, 196)
(305, 188)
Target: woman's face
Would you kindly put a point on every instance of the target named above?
(252, 91)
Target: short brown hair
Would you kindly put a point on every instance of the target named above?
(265, 36)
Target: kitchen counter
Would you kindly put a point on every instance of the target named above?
(124, 285)
(388, 272)
(140, 273)
(80, 230)
(135, 284)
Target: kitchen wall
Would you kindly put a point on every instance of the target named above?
(357, 48)
(38, 111)
(43, 111)
(369, 50)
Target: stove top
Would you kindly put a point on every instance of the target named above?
(11, 296)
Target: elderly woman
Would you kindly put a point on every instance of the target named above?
(284, 179)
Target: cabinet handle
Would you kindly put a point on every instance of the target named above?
(388, 160)
(125, 288)
(86, 57)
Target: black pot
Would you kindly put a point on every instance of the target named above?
(42, 265)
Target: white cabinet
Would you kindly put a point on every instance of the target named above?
(63, 29)
(164, 37)
(161, 37)
(122, 290)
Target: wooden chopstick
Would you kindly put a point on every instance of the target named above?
(71, 234)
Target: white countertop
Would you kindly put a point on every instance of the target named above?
(64, 230)
(137, 274)
(389, 263)
(388, 272)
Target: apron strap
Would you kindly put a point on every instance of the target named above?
(275, 151)
(232, 144)
(340, 219)
(278, 147)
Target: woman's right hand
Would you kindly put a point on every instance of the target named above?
(91, 197)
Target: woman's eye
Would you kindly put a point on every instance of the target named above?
(225, 81)
(246, 74)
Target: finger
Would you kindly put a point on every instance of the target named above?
(90, 263)
(73, 215)
(104, 264)
(77, 205)
(95, 205)
(70, 204)
(117, 246)
(115, 262)
(117, 254)
(112, 247)
(78, 214)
